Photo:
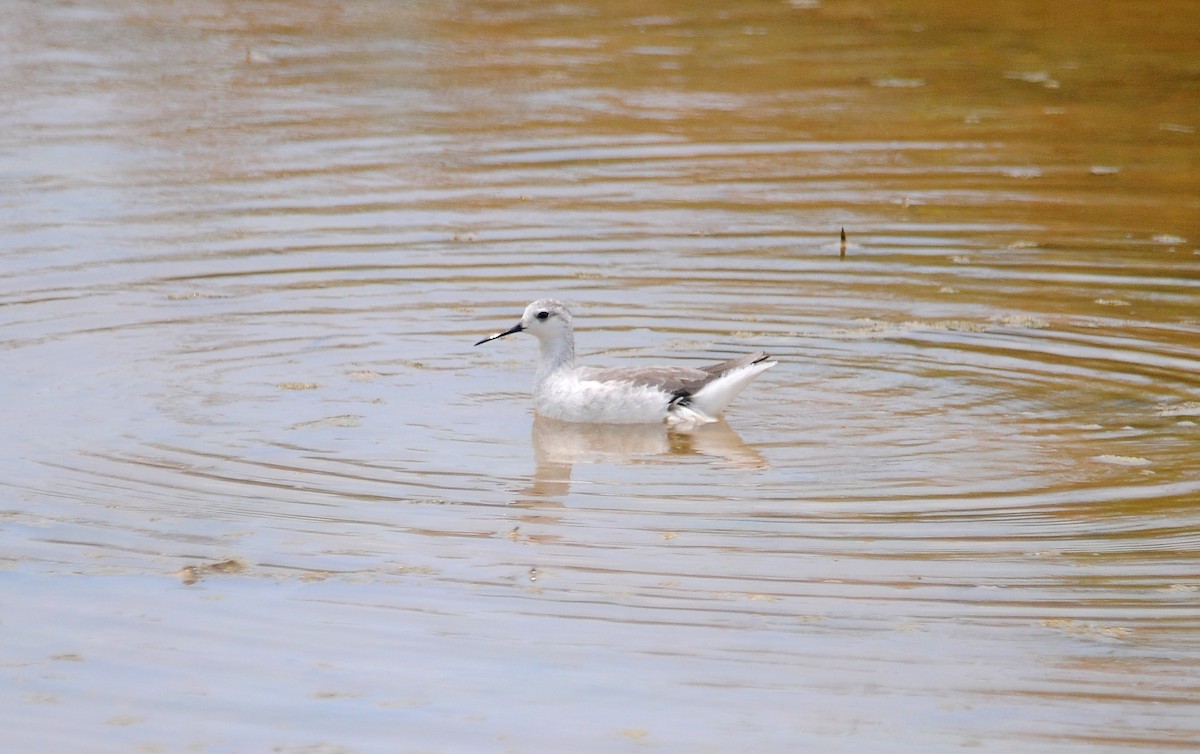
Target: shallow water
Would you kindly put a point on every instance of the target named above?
(258, 491)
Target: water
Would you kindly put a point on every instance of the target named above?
(258, 491)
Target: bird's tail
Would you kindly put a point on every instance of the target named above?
(708, 402)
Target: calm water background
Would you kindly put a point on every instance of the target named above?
(259, 493)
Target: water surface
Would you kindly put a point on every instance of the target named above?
(258, 491)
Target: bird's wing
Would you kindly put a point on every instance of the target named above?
(678, 381)
(674, 380)
(717, 370)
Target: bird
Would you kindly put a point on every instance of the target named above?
(678, 396)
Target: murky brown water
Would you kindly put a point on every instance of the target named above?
(259, 493)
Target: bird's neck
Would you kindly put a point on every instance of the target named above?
(556, 353)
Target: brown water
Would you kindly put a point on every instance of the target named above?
(259, 493)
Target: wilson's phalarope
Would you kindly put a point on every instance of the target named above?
(624, 395)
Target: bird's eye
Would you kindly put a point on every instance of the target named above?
(543, 316)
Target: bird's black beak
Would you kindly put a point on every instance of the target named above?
(515, 328)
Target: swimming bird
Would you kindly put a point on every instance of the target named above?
(624, 395)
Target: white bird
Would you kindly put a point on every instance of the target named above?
(624, 395)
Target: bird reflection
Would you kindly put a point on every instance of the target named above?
(558, 446)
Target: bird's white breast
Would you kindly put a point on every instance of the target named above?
(567, 395)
